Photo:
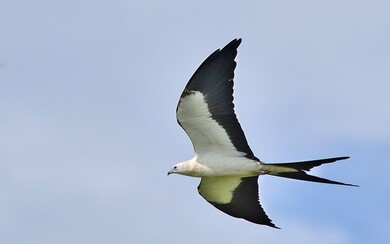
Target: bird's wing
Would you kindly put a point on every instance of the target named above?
(235, 196)
(206, 110)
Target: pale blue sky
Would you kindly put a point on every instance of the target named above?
(88, 92)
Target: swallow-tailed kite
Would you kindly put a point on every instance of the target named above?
(226, 165)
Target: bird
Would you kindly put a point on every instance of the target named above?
(228, 168)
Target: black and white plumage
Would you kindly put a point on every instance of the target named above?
(225, 163)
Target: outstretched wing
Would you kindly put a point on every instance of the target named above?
(235, 196)
(206, 110)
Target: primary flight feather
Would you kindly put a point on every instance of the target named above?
(225, 163)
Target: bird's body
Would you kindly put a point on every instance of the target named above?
(213, 165)
(224, 161)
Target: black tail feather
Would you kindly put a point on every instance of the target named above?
(303, 166)
(301, 175)
(307, 165)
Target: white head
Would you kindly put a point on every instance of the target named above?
(184, 168)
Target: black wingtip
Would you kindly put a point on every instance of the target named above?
(238, 41)
(234, 44)
(273, 226)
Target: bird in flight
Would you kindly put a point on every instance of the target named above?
(228, 169)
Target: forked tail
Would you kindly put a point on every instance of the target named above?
(297, 170)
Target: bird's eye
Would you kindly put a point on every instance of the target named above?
(174, 167)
